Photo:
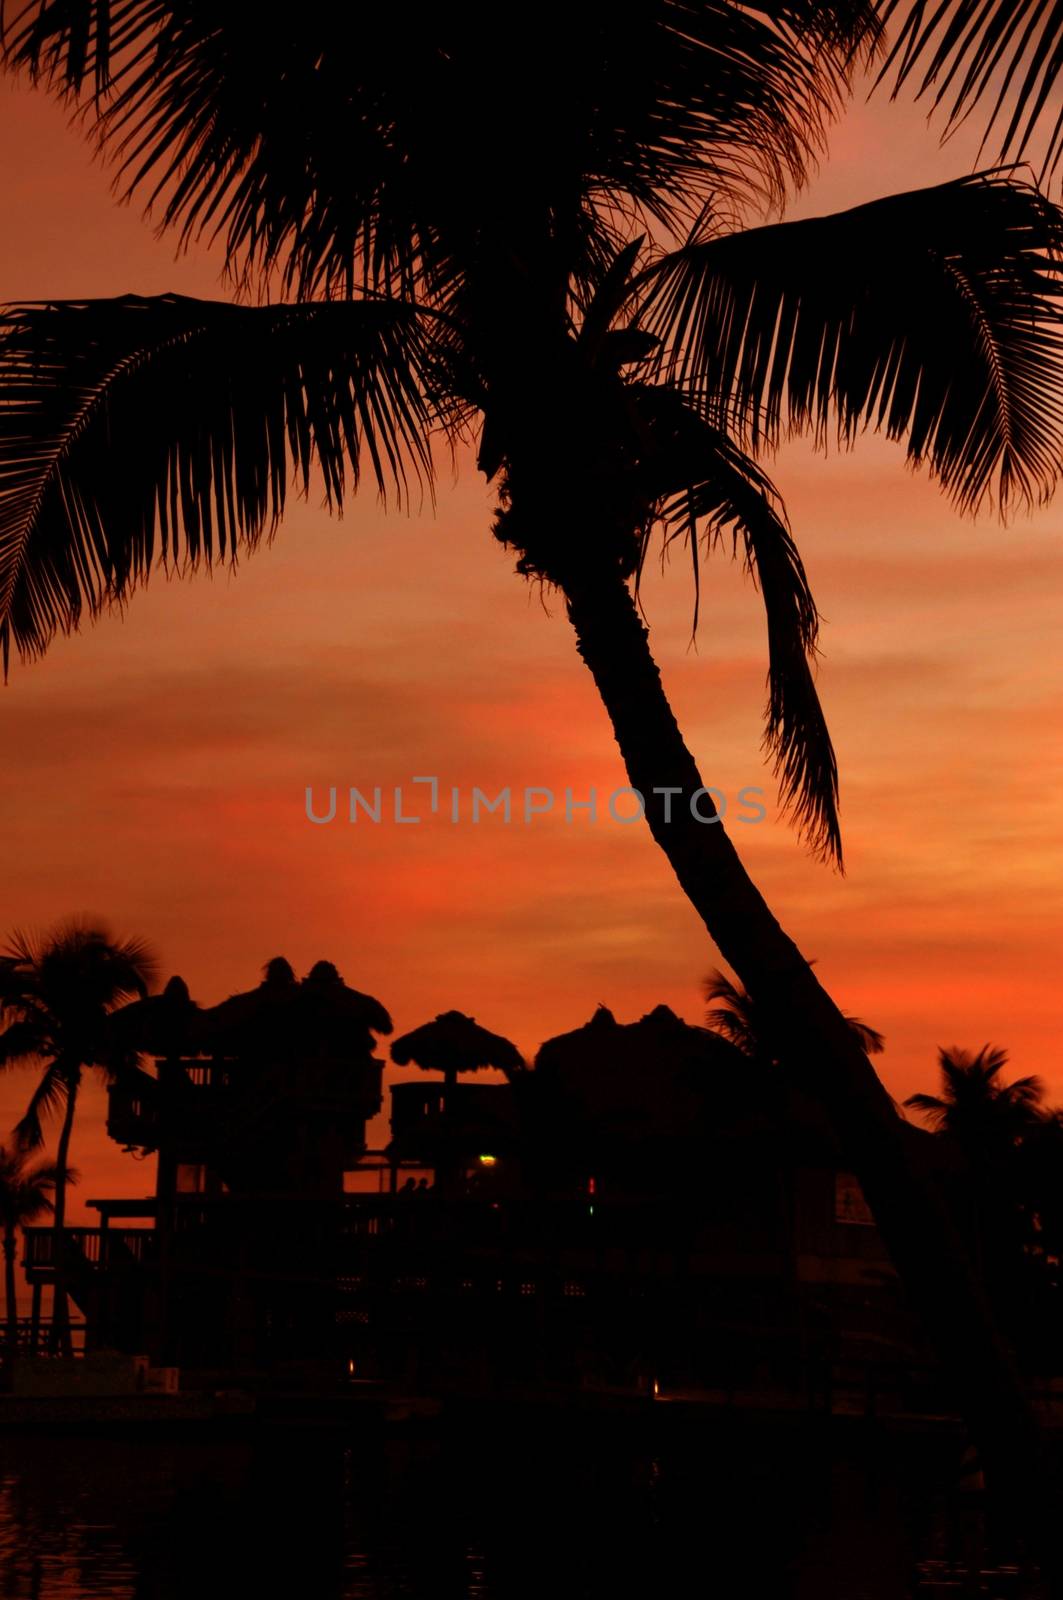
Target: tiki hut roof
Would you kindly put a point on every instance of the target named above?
(453, 1042)
(654, 1076)
(166, 1024)
(285, 1018)
(661, 1076)
(257, 1018)
(332, 999)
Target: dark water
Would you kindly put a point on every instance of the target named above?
(487, 1512)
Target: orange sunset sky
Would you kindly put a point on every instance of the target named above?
(154, 767)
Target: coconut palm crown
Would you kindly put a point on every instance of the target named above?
(557, 265)
(578, 296)
(986, 1115)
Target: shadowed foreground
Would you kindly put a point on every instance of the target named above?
(485, 1508)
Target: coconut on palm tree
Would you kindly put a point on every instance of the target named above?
(26, 1191)
(57, 991)
(572, 292)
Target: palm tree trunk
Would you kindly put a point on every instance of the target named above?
(826, 1059)
(10, 1293)
(60, 1334)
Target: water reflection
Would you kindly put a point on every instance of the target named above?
(492, 1513)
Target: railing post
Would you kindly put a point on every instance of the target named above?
(35, 1319)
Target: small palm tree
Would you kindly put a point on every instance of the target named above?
(56, 992)
(737, 1017)
(985, 1115)
(998, 1128)
(25, 1194)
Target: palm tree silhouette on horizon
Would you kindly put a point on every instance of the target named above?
(974, 1105)
(1008, 1141)
(57, 991)
(573, 291)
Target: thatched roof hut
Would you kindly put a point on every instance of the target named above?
(453, 1043)
(166, 1024)
(335, 1011)
(285, 1019)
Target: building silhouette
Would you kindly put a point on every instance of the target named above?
(640, 1212)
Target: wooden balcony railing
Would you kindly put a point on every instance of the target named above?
(200, 1095)
(34, 1336)
(414, 1104)
(90, 1248)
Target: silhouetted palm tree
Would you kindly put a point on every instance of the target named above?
(997, 1127)
(56, 992)
(570, 286)
(983, 1114)
(25, 1195)
(737, 1017)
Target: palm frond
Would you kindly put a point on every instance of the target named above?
(717, 491)
(283, 138)
(702, 109)
(74, 41)
(137, 428)
(321, 142)
(730, 1013)
(78, 966)
(1006, 56)
(738, 1018)
(872, 1042)
(960, 1066)
(933, 315)
(1025, 1093)
(46, 1174)
(22, 1041)
(987, 1114)
(46, 1101)
(931, 1106)
(25, 1186)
